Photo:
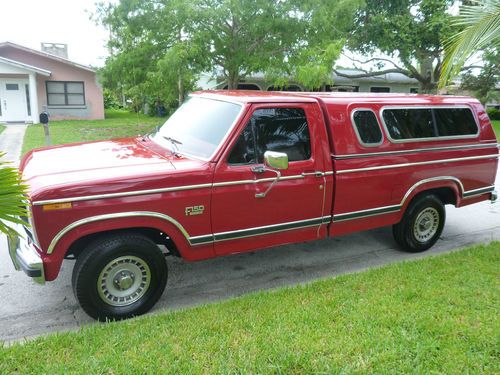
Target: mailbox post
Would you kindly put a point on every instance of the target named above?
(44, 120)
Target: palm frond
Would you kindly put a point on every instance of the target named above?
(12, 196)
(481, 24)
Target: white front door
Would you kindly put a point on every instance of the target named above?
(13, 100)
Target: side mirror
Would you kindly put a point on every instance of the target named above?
(276, 160)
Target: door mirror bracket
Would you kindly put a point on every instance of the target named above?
(273, 162)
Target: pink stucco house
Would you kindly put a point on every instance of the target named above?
(34, 81)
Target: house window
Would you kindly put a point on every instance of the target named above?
(380, 89)
(245, 86)
(12, 87)
(284, 88)
(65, 93)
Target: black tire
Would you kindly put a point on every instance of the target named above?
(131, 258)
(419, 230)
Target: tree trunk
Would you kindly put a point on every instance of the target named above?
(181, 88)
(180, 82)
(233, 79)
(427, 71)
(232, 84)
(428, 87)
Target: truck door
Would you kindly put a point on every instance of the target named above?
(245, 214)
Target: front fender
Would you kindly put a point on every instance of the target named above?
(124, 220)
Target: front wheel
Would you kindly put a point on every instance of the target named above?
(119, 276)
(422, 224)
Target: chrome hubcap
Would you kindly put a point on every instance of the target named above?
(123, 281)
(426, 224)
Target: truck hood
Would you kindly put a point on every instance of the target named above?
(101, 167)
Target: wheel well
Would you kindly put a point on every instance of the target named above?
(155, 235)
(445, 194)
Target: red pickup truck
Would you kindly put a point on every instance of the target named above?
(231, 172)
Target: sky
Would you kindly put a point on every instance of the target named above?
(31, 22)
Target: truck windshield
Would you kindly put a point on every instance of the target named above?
(198, 127)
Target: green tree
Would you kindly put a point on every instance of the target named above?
(12, 197)
(145, 37)
(480, 21)
(483, 84)
(299, 40)
(246, 36)
(411, 32)
(159, 47)
(325, 26)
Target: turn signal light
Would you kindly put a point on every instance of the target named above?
(57, 206)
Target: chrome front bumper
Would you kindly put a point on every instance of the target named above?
(24, 255)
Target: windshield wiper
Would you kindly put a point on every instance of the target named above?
(152, 132)
(175, 145)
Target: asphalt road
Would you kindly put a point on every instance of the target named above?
(28, 309)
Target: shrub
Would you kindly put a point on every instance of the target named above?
(494, 114)
(110, 100)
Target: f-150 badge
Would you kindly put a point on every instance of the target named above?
(194, 210)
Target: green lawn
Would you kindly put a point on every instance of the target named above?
(117, 124)
(436, 315)
(2, 128)
(496, 127)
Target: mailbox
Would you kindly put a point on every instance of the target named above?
(44, 117)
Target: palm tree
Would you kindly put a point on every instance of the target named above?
(481, 30)
(12, 197)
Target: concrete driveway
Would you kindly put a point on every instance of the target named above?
(11, 141)
(28, 309)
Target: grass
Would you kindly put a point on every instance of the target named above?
(116, 125)
(496, 127)
(435, 315)
(2, 128)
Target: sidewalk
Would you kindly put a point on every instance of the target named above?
(11, 142)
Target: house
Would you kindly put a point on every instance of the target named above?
(34, 81)
(391, 82)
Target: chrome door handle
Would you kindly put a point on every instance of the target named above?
(314, 173)
(258, 169)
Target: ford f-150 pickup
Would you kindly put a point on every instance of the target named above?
(236, 171)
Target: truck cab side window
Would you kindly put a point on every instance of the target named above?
(273, 129)
(244, 150)
(367, 128)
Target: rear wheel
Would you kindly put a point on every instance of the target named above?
(422, 224)
(119, 276)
